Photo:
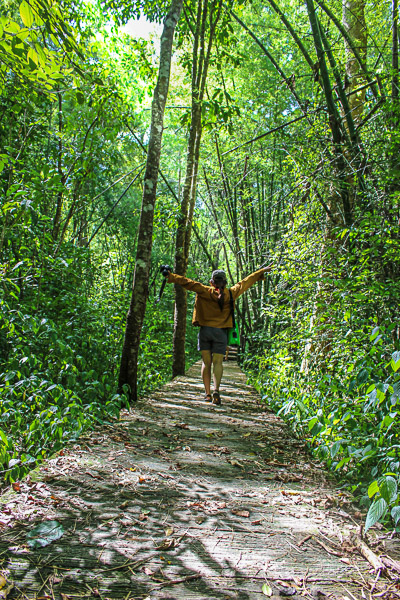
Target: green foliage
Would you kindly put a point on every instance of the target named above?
(338, 385)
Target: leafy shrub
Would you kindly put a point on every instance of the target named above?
(349, 415)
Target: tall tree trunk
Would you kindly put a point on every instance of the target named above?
(60, 195)
(395, 50)
(354, 23)
(140, 292)
(206, 20)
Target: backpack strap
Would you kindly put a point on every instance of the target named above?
(232, 309)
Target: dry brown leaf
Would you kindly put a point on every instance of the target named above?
(241, 513)
(16, 486)
(167, 544)
(200, 519)
(235, 463)
(5, 587)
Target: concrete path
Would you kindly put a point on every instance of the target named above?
(185, 500)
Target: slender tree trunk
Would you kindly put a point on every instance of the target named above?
(57, 216)
(135, 317)
(354, 23)
(395, 50)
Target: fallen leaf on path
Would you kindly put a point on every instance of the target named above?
(235, 463)
(16, 486)
(240, 512)
(43, 534)
(346, 561)
(286, 588)
(169, 531)
(167, 544)
(266, 590)
(5, 587)
(200, 519)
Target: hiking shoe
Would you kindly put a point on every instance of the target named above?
(208, 398)
(216, 398)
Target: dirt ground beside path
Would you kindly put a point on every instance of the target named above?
(184, 500)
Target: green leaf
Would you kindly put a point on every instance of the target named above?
(335, 448)
(26, 14)
(388, 489)
(374, 333)
(373, 489)
(362, 376)
(376, 511)
(4, 438)
(80, 97)
(395, 514)
(395, 362)
(312, 422)
(266, 590)
(45, 533)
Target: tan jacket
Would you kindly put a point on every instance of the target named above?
(206, 307)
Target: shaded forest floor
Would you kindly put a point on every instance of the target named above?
(185, 500)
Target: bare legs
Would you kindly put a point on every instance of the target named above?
(216, 361)
(218, 369)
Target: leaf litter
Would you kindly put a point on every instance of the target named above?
(193, 485)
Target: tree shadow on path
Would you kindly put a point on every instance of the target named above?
(182, 499)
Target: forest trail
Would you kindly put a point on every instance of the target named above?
(184, 500)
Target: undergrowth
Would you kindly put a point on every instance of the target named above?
(347, 412)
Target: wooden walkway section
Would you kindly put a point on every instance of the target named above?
(184, 500)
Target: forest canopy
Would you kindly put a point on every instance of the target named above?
(279, 145)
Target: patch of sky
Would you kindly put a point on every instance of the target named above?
(142, 28)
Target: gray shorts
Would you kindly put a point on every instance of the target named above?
(213, 339)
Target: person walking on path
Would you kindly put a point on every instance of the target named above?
(212, 313)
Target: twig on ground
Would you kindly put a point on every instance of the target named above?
(300, 551)
(385, 591)
(390, 563)
(368, 554)
(304, 540)
(123, 566)
(375, 582)
(175, 581)
(329, 550)
(349, 592)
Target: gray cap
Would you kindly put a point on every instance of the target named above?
(218, 274)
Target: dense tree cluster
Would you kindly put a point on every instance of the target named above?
(278, 142)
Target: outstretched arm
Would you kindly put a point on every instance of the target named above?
(188, 284)
(242, 286)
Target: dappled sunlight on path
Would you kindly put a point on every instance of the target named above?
(185, 500)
